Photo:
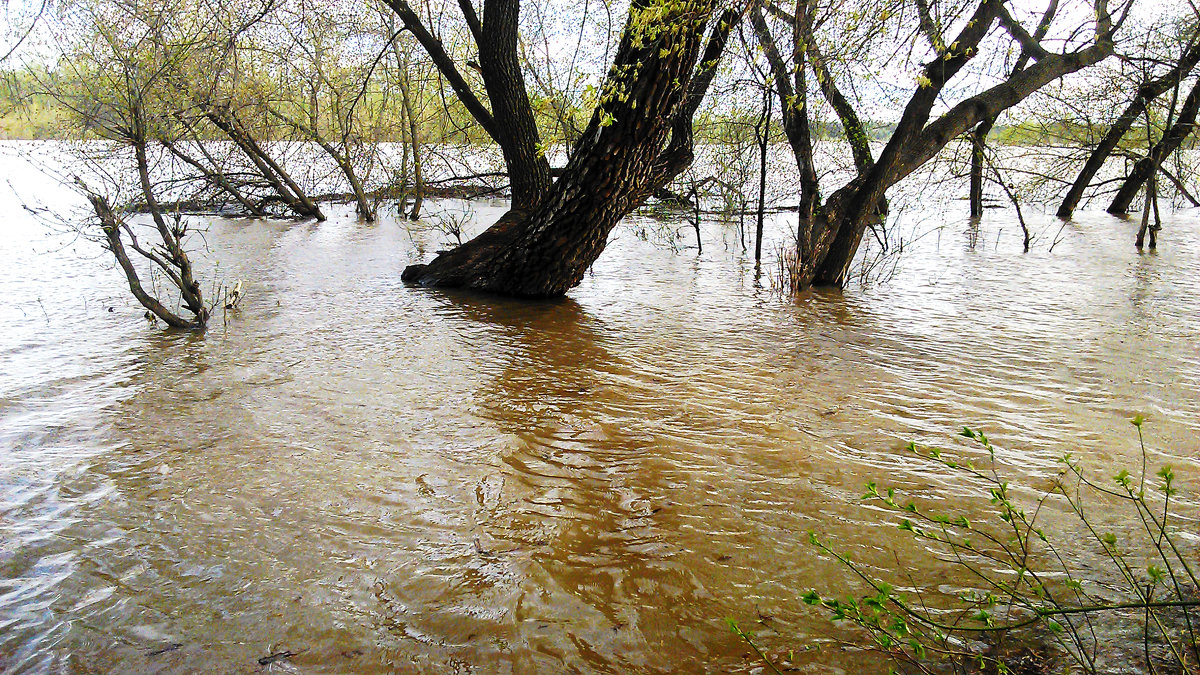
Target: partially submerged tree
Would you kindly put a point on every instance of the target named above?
(1150, 89)
(1180, 125)
(116, 100)
(828, 242)
(545, 248)
(545, 244)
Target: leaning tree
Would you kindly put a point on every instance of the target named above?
(638, 139)
(640, 132)
(947, 36)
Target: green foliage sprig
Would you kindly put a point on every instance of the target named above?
(1025, 586)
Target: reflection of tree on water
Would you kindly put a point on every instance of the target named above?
(584, 503)
(1145, 274)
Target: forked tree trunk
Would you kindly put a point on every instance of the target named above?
(812, 216)
(850, 210)
(546, 250)
(177, 266)
(408, 128)
(111, 225)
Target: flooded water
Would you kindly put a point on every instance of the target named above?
(382, 479)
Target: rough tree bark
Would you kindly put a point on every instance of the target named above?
(545, 250)
(529, 172)
(680, 150)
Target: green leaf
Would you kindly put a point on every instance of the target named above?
(872, 490)
(1167, 474)
(917, 647)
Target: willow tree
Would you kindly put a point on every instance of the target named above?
(115, 94)
(638, 134)
(830, 238)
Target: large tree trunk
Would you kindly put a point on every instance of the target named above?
(1100, 154)
(546, 250)
(1145, 167)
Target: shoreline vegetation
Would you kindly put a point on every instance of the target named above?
(38, 117)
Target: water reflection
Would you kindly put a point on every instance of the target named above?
(383, 479)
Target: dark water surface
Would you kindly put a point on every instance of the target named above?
(386, 479)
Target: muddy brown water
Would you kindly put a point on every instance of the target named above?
(379, 479)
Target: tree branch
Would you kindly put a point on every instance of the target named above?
(444, 64)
